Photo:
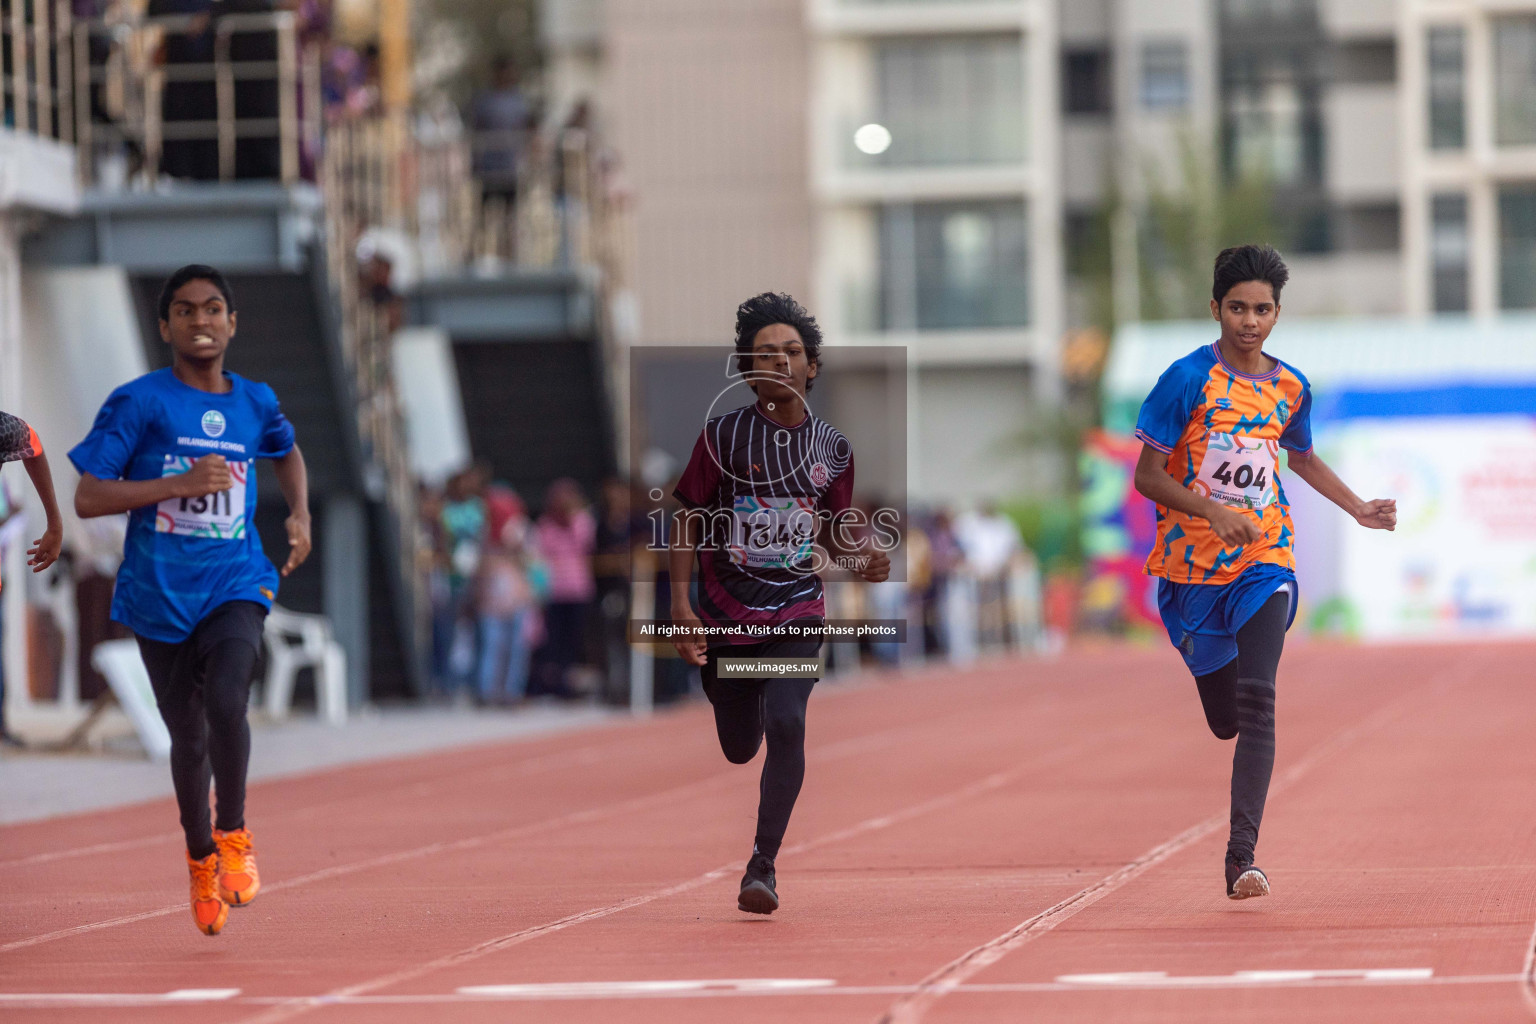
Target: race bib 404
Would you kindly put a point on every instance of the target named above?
(776, 532)
(1239, 471)
(218, 516)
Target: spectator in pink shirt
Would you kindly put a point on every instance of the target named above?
(566, 538)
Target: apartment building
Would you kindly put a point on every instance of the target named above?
(894, 163)
(1468, 106)
(1300, 96)
(928, 171)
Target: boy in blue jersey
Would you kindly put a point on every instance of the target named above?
(175, 450)
(1212, 431)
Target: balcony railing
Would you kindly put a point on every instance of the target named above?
(36, 76)
(122, 81)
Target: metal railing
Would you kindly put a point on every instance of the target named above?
(36, 76)
(119, 65)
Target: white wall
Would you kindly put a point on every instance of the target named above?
(1362, 142)
(1345, 284)
(434, 409)
(970, 436)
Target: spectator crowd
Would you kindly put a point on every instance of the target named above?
(527, 605)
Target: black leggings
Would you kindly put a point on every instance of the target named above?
(1239, 700)
(202, 686)
(749, 710)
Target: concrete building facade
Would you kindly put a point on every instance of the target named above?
(922, 170)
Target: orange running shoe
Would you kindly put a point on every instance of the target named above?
(239, 881)
(209, 910)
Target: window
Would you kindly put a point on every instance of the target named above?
(949, 100)
(954, 265)
(1252, 10)
(1268, 139)
(1449, 252)
(1514, 74)
(1517, 247)
(1164, 76)
(1086, 81)
(1368, 62)
(1370, 227)
(1447, 87)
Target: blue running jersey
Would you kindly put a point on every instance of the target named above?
(186, 556)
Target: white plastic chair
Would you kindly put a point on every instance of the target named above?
(119, 662)
(296, 641)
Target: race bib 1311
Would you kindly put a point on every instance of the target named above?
(218, 516)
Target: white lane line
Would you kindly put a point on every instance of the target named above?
(1528, 976)
(534, 765)
(1242, 979)
(87, 851)
(622, 989)
(431, 849)
(941, 802)
(845, 748)
(180, 995)
(521, 936)
(910, 1009)
(739, 988)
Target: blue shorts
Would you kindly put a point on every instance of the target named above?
(1203, 618)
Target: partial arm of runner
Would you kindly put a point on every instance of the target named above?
(857, 556)
(1378, 514)
(680, 568)
(293, 480)
(96, 497)
(45, 550)
(1152, 480)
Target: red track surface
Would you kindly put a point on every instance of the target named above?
(963, 842)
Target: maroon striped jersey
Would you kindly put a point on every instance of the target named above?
(766, 488)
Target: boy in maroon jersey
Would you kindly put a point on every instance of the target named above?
(759, 484)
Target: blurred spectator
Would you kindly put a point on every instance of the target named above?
(620, 527)
(376, 272)
(500, 117)
(989, 540)
(505, 608)
(944, 561)
(430, 510)
(504, 510)
(567, 536)
(464, 521)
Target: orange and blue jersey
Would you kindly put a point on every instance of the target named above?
(1223, 430)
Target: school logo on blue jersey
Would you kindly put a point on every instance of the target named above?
(213, 423)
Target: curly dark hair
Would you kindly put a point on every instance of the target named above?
(775, 308)
(194, 272)
(1248, 263)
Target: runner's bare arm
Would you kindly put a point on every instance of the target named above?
(1379, 514)
(293, 480)
(680, 569)
(96, 497)
(45, 550)
(1153, 481)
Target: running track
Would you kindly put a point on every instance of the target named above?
(968, 847)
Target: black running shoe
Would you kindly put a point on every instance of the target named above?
(758, 895)
(1244, 881)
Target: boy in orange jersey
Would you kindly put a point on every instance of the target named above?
(1211, 433)
(18, 441)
